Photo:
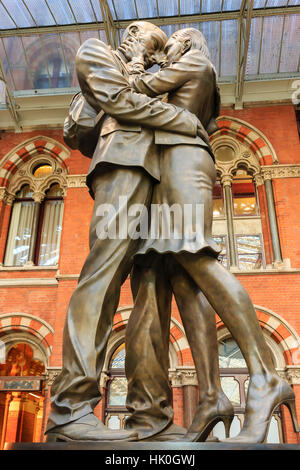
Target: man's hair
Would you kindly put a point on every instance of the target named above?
(156, 32)
(197, 39)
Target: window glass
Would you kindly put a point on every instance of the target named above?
(231, 388)
(218, 201)
(51, 233)
(243, 193)
(41, 171)
(21, 229)
(20, 361)
(249, 251)
(230, 355)
(117, 391)
(118, 358)
(221, 242)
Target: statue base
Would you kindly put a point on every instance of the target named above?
(145, 447)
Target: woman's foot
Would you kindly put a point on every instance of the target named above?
(264, 396)
(209, 412)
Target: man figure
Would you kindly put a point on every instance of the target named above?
(124, 165)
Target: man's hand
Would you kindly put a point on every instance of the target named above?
(133, 50)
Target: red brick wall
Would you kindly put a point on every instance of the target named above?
(277, 292)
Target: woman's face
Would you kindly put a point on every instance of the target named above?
(173, 49)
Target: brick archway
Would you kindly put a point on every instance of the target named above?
(23, 152)
(245, 133)
(21, 322)
(177, 334)
(280, 331)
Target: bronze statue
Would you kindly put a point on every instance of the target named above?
(187, 177)
(139, 156)
(125, 164)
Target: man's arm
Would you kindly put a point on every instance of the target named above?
(104, 87)
(171, 77)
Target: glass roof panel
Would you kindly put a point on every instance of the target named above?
(229, 47)
(84, 13)
(122, 10)
(253, 57)
(168, 8)
(290, 51)
(189, 7)
(276, 3)
(19, 13)
(61, 11)
(147, 9)
(39, 11)
(211, 31)
(5, 21)
(270, 51)
(213, 6)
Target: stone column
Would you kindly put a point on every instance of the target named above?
(190, 396)
(226, 181)
(185, 378)
(38, 198)
(277, 256)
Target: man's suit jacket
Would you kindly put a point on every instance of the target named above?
(126, 135)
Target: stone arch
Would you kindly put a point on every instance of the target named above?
(180, 346)
(22, 153)
(248, 135)
(279, 331)
(37, 328)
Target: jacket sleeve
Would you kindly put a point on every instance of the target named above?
(104, 87)
(163, 81)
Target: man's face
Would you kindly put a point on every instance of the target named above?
(148, 47)
(173, 49)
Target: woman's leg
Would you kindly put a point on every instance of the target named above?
(232, 303)
(198, 318)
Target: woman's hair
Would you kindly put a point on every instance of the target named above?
(156, 32)
(197, 39)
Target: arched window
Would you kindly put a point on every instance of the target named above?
(53, 74)
(21, 228)
(236, 215)
(235, 380)
(35, 228)
(116, 412)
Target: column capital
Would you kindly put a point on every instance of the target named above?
(50, 375)
(6, 197)
(258, 179)
(38, 196)
(182, 376)
(104, 378)
(226, 179)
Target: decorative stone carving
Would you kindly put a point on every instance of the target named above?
(76, 181)
(51, 374)
(6, 197)
(280, 171)
(183, 376)
(293, 375)
(226, 180)
(39, 186)
(104, 378)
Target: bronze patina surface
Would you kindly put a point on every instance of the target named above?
(152, 151)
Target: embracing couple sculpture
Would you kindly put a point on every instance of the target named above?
(154, 152)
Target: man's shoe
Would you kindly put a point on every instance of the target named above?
(171, 433)
(88, 428)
